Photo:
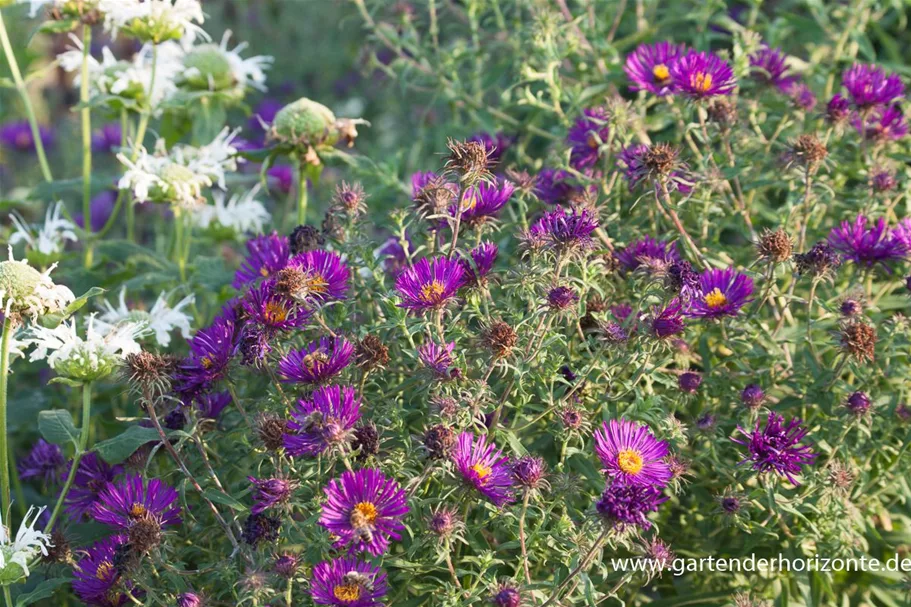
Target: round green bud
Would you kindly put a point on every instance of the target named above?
(18, 281)
(209, 69)
(305, 122)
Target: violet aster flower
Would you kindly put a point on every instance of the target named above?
(631, 453)
(437, 358)
(802, 96)
(769, 66)
(98, 581)
(556, 186)
(317, 363)
(130, 500)
(752, 396)
(17, 135)
(323, 421)
(868, 244)
(430, 284)
(282, 177)
(702, 75)
(649, 67)
(483, 257)
(316, 275)
(882, 124)
(210, 406)
(652, 255)
(45, 462)
(689, 382)
(627, 504)
(92, 475)
(211, 351)
(722, 293)
(680, 278)
(271, 311)
(668, 321)
(507, 595)
(496, 145)
(107, 138)
(567, 231)
(838, 110)
(348, 582)
(483, 467)
(393, 255)
(189, 599)
(266, 255)
(585, 138)
(102, 206)
(270, 493)
(869, 86)
(777, 447)
(902, 232)
(364, 509)
(483, 201)
(561, 298)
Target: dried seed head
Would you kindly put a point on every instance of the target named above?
(435, 197)
(145, 534)
(806, 151)
(661, 159)
(148, 373)
(858, 340)
(469, 159)
(305, 238)
(594, 305)
(841, 477)
(371, 353)
(270, 429)
(439, 441)
(366, 441)
(350, 198)
(58, 549)
(445, 406)
(775, 246)
(499, 338)
(723, 112)
(525, 183)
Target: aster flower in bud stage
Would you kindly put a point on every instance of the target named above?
(689, 382)
(45, 462)
(561, 298)
(858, 404)
(438, 359)
(266, 255)
(648, 68)
(769, 66)
(648, 254)
(161, 320)
(588, 133)
(868, 244)
(482, 257)
(701, 75)
(530, 472)
(322, 422)
(319, 362)
(154, 20)
(123, 504)
(189, 599)
(625, 504)
(98, 580)
(776, 447)
(26, 292)
(838, 110)
(241, 214)
(445, 523)
(565, 232)
(269, 493)
(506, 594)
(869, 85)
(47, 242)
(802, 96)
(364, 510)
(722, 293)
(316, 276)
(483, 201)
(92, 475)
(84, 359)
(483, 467)
(631, 453)
(882, 124)
(348, 582)
(752, 396)
(430, 284)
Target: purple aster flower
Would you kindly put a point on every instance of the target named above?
(777, 447)
(102, 206)
(348, 582)
(271, 311)
(92, 475)
(680, 278)
(211, 351)
(260, 528)
(17, 135)
(483, 467)
(484, 201)
(882, 124)
(98, 581)
(869, 86)
(483, 257)
(858, 404)
(689, 382)
(649, 67)
(323, 421)
(668, 321)
(902, 232)
(318, 275)
(585, 138)
(654, 256)
(556, 186)
(130, 500)
(437, 358)
(364, 509)
(282, 177)
(270, 493)
(722, 293)
(210, 406)
(566, 231)
(317, 363)
(627, 504)
(189, 599)
(868, 245)
(631, 453)
(752, 396)
(430, 284)
(266, 255)
(286, 565)
(107, 138)
(507, 595)
(838, 110)
(883, 180)
(802, 96)
(528, 471)
(702, 75)
(561, 298)
(769, 66)
(393, 255)
(645, 164)
(44, 462)
(496, 144)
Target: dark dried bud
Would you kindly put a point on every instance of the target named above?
(271, 429)
(661, 159)
(851, 307)
(594, 305)
(126, 558)
(150, 374)
(499, 338)
(350, 198)
(723, 112)
(176, 419)
(58, 551)
(858, 340)
(445, 406)
(366, 441)
(680, 278)
(679, 467)
(305, 238)
(261, 528)
(286, 565)
(371, 353)
(819, 261)
(439, 441)
(435, 197)
(470, 159)
(145, 534)
(333, 226)
(775, 247)
(806, 151)
(706, 422)
(138, 459)
(292, 283)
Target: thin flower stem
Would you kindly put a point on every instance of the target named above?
(4, 389)
(579, 568)
(302, 192)
(522, 536)
(807, 196)
(86, 116)
(7, 596)
(289, 590)
(668, 207)
(449, 565)
(26, 101)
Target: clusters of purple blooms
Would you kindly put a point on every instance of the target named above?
(664, 69)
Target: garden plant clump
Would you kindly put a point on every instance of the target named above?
(612, 309)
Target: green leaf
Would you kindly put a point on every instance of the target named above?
(57, 427)
(44, 590)
(81, 301)
(115, 450)
(225, 500)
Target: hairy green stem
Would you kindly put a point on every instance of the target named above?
(86, 115)
(81, 448)
(4, 390)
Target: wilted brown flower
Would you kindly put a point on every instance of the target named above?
(499, 338)
(858, 340)
(775, 246)
(470, 159)
(270, 428)
(371, 353)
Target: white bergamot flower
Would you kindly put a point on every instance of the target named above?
(16, 553)
(162, 319)
(48, 240)
(154, 20)
(215, 67)
(240, 214)
(26, 292)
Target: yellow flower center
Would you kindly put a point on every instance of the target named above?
(469, 202)
(431, 293)
(275, 312)
(661, 73)
(592, 142)
(206, 362)
(363, 514)
(105, 568)
(701, 81)
(137, 510)
(482, 471)
(316, 283)
(263, 271)
(347, 592)
(715, 298)
(629, 461)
